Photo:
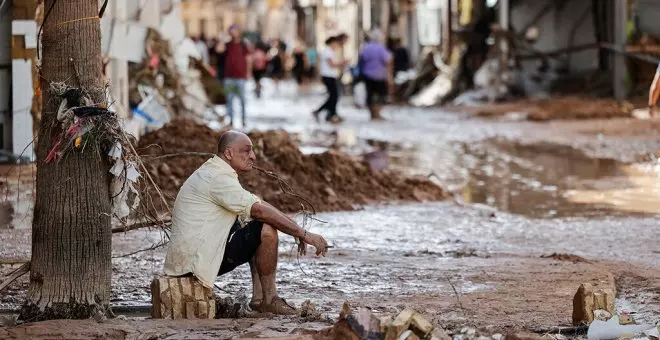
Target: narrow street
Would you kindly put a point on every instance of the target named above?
(542, 207)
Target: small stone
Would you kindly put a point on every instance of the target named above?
(602, 315)
(308, 309)
(457, 337)
(483, 338)
(497, 336)
(626, 319)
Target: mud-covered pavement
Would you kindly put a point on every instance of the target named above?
(524, 191)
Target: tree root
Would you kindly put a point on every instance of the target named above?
(30, 312)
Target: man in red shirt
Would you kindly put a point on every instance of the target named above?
(237, 68)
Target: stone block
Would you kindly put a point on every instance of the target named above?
(587, 299)
(399, 325)
(181, 297)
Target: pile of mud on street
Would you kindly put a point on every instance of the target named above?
(330, 181)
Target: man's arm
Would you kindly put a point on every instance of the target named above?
(266, 213)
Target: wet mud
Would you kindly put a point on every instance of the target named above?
(538, 210)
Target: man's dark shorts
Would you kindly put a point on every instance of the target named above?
(242, 244)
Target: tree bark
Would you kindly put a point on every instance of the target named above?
(71, 231)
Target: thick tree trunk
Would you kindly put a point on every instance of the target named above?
(71, 232)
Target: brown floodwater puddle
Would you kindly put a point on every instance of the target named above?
(538, 180)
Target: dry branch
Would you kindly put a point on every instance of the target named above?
(140, 225)
(20, 271)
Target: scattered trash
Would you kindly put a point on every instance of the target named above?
(643, 113)
(613, 329)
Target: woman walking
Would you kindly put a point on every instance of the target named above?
(376, 70)
(330, 65)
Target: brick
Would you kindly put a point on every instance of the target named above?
(420, 325)
(587, 299)
(191, 310)
(399, 325)
(178, 298)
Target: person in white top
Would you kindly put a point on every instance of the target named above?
(330, 65)
(217, 226)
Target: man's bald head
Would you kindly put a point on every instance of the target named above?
(228, 138)
(236, 149)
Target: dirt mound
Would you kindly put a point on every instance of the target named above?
(331, 181)
(559, 108)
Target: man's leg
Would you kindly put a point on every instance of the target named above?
(265, 261)
(257, 291)
(241, 96)
(229, 97)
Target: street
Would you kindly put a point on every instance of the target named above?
(534, 219)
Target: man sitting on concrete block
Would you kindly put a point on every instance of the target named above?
(217, 226)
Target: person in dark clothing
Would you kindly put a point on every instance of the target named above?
(299, 65)
(401, 57)
(329, 65)
(277, 62)
(238, 68)
(220, 57)
(259, 65)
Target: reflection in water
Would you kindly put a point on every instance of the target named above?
(561, 182)
(541, 180)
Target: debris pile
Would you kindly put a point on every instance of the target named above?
(560, 108)
(331, 181)
(364, 325)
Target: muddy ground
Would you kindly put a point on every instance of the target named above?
(523, 191)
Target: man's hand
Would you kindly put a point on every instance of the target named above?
(315, 240)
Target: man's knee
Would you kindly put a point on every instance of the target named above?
(268, 234)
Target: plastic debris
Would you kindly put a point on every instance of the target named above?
(116, 151)
(612, 329)
(131, 173)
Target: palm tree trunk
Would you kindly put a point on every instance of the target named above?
(71, 231)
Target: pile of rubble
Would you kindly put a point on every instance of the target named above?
(559, 108)
(330, 181)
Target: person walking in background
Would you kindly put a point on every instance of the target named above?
(259, 65)
(220, 58)
(376, 70)
(299, 67)
(329, 66)
(277, 62)
(238, 66)
(401, 57)
(310, 72)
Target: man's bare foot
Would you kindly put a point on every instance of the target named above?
(278, 306)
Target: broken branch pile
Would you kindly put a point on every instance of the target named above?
(331, 181)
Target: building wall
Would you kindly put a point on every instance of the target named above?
(212, 18)
(5, 74)
(555, 30)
